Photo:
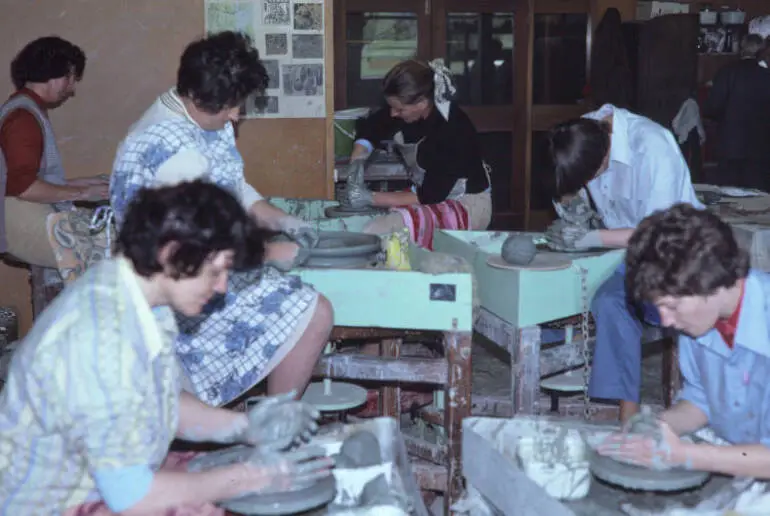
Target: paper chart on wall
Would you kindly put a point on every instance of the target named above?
(289, 35)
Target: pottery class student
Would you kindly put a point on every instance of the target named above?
(441, 148)
(270, 324)
(94, 397)
(45, 73)
(688, 263)
(629, 167)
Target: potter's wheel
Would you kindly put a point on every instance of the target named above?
(339, 211)
(294, 501)
(340, 396)
(643, 479)
(548, 246)
(344, 249)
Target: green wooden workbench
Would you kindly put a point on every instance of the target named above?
(372, 303)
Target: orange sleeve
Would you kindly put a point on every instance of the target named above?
(21, 139)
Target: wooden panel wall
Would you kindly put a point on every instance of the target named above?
(133, 48)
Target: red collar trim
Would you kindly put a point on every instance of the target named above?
(728, 327)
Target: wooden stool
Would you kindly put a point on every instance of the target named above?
(438, 464)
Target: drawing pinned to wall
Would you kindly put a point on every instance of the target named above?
(276, 12)
(307, 46)
(276, 44)
(273, 74)
(303, 80)
(258, 105)
(289, 35)
(308, 16)
(230, 15)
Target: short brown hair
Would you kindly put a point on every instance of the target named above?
(409, 81)
(683, 251)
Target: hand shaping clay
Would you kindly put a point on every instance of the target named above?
(518, 250)
(644, 423)
(360, 450)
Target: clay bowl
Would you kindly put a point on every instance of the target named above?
(344, 249)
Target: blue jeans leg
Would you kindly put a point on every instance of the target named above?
(617, 362)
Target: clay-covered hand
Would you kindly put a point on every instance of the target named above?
(285, 256)
(577, 237)
(575, 210)
(279, 421)
(662, 450)
(306, 236)
(355, 171)
(280, 472)
(358, 196)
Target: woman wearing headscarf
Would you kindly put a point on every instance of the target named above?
(439, 146)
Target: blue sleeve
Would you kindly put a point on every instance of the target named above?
(123, 488)
(692, 389)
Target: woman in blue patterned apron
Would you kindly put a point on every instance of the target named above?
(440, 148)
(268, 323)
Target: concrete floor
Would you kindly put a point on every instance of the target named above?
(492, 372)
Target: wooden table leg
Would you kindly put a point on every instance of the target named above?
(525, 371)
(457, 401)
(390, 395)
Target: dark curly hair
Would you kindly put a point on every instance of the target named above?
(221, 71)
(47, 58)
(683, 251)
(577, 149)
(200, 218)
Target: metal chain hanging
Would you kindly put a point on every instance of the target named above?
(584, 335)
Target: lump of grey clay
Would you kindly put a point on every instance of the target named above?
(518, 250)
(359, 450)
(376, 492)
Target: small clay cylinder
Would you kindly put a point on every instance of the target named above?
(518, 250)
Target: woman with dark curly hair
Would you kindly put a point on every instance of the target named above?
(94, 398)
(269, 323)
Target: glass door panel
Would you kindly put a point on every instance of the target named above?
(560, 58)
(479, 52)
(375, 42)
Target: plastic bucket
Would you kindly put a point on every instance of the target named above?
(345, 130)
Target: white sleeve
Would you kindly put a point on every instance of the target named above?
(185, 165)
(249, 195)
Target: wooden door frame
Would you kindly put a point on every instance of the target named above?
(341, 9)
(540, 117)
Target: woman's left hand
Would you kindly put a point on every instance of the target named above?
(667, 452)
(279, 421)
(358, 196)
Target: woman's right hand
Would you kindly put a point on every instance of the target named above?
(273, 472)
(95, 192)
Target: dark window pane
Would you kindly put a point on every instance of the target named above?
(479, 52)
(496, 149)
(559, 61)
(542, 180)
(375, 43)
